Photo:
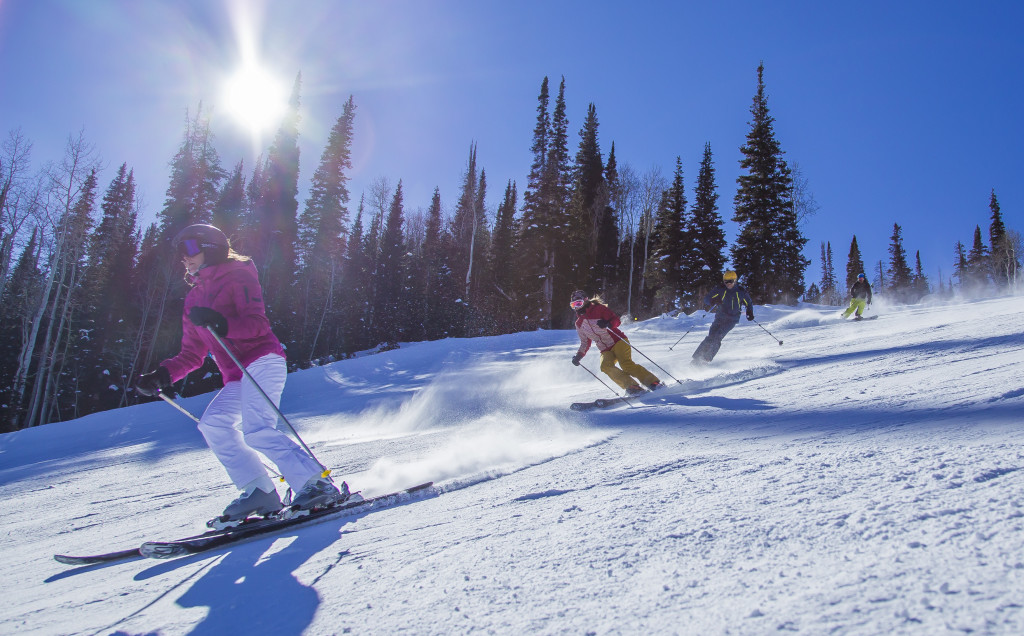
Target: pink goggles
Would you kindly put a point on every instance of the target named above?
(578, 304)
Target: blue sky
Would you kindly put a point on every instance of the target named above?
(903, 112)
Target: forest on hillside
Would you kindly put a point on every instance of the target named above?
(89, 298)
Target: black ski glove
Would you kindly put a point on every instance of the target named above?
(602, 323)
(576, 359)
(206, 317)
(750, 313)
(149, 384)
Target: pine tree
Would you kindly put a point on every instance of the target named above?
(587, 204)
(708, 233)
(671, 246)
(828, 293)
(390, 275)
(1005, 261)
(901, 278)
(442, 289)
(542, 257)
(978, 263)
(105, 358)
(321, 239)
(607, 240)
(920, 283)
(854, 264)
(501, 256)
(230, 209)
(356, 279)
(960, 266)
(768, 250)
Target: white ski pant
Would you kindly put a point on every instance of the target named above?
(241, 402)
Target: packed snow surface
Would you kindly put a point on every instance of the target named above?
(859, 478)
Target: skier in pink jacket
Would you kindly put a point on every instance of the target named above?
(226, 297)
(596, 323)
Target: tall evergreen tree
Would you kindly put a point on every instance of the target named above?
(1005, 260)
(390, 275)
(828, 292)
(920, 282)
(321, 239)
(978, 262)
(587, 204)
(768, 250)
(442, 289)
(105, 359)
(960, 265)
(355, 304)
(854, 264)
(607, 240)
(671, 242)
(543, 258)
(708, 233)
(900, 275)
(501, 257)
(230, 209)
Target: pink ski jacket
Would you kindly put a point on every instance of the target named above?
(586, 327)
(233, 289)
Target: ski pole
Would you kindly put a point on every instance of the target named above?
(654, 363)
(195, 419)
(690, 329)
(768, 332)
(616, 393)
(326, 471)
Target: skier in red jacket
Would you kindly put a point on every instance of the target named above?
(596, 323)
(226, 296)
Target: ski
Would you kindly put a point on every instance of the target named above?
(601, 403)
(249, 529)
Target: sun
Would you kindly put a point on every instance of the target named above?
(256, 98)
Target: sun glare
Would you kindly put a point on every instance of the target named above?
(255, 98)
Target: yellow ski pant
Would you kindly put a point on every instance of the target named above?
(622, 353)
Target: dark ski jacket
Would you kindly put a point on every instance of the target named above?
(861, 289)
(233, 289)
(730, 301)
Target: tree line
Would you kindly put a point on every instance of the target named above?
(984, 269)
(89, 298)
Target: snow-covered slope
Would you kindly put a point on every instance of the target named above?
(861, 478)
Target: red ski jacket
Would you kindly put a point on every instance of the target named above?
(233, 289)
(586, 327)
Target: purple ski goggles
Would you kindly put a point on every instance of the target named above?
(190, 247)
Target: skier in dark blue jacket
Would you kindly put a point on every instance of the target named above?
(730, 298)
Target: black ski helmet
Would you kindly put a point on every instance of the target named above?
(208, 239)
(579, 294)
(206, 235)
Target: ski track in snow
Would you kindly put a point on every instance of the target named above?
(863, 478)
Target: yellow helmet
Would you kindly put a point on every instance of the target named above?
(729, 275)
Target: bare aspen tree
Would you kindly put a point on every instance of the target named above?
(66, 182)
(652, 186)
(627, 202)
(16, 200)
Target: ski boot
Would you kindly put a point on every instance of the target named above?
(319, 493)
(252, 501)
